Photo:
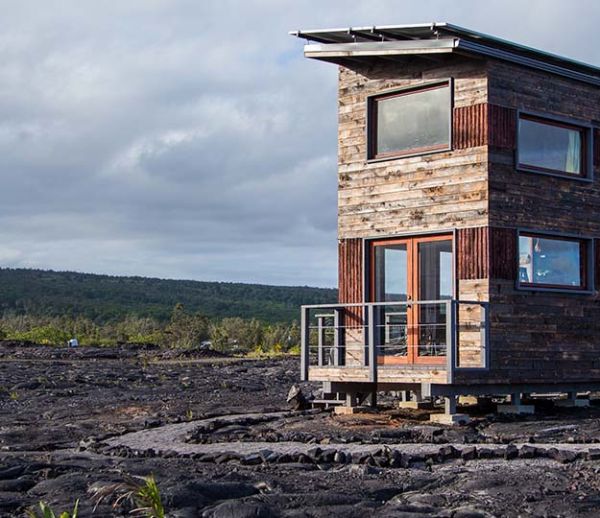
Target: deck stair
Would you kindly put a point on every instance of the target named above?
(329, 399)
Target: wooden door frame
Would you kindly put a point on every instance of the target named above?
(412, 287)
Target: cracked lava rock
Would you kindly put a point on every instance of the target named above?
(221, 441)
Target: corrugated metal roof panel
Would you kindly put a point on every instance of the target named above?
(470, 42)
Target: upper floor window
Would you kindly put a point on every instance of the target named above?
(553, 262)
(411, 121)
(552, 147)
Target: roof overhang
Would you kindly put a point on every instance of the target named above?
(350, 46)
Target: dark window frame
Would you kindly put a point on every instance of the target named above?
(371, 126)
(586, 263)
(587, 145)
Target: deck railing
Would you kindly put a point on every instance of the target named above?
(446, 333)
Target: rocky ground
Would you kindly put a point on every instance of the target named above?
(221, 441)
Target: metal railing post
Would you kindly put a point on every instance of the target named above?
(365, 326)
(304, 343)
(338, 337)
(451, 353)
(320, 341)
(485, 336)
(373, 327)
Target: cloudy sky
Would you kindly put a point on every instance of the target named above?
(190, 138)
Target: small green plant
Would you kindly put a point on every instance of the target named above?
(143, 492)
(189, 414)
(14, 395)
(47, 512)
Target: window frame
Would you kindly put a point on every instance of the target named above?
(371, 120)
(586, 132)
(586, 263)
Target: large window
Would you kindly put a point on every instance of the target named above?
(410, 121)
(551, 147)
(552, 262)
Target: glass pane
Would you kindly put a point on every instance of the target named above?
(548, 261)
(391, 276)
(435, 284)
(550, 147)
(415, 121)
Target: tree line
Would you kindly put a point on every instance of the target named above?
(183, 329)
(115, 302)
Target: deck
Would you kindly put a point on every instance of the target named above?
(394, 343)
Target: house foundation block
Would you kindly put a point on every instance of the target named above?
(572, 403)
(468, 400)
(516, 409)
(449, 419)
(415, 405)
(349, 410)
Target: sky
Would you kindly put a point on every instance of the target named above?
(190, 139)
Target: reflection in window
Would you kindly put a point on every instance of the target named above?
(391, 275)
(409, 122)
(551, 147)
(554, 262)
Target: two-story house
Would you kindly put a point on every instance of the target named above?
(468, 218)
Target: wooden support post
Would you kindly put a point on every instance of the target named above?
(350, 399)
(450, 416)
(516, 406)
(450, 405)
(373, 398)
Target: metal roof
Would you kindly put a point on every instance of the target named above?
(343, 46)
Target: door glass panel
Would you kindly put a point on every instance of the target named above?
(391, 285)
(435, 284)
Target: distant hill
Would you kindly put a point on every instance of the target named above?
(105, 298)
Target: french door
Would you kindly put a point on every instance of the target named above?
(410, 270)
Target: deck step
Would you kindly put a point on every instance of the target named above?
(327, 402)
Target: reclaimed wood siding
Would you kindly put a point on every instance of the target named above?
(539, 336)
(597, 263)
(596, 154)
(502, 126)
(503, 253)
(437, 191)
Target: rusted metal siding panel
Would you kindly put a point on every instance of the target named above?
(484, 124)
(473, 253)
(470, 126)
(503, 253)
(350, 275)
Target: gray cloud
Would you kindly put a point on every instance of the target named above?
(191, 139)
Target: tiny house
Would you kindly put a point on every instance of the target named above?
(468, 218)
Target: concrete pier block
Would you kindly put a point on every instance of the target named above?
(516, 409)
(449, 419)
(572, 403)
(415, 405)
(349, 410)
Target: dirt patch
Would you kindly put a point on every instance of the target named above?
(221, 441)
